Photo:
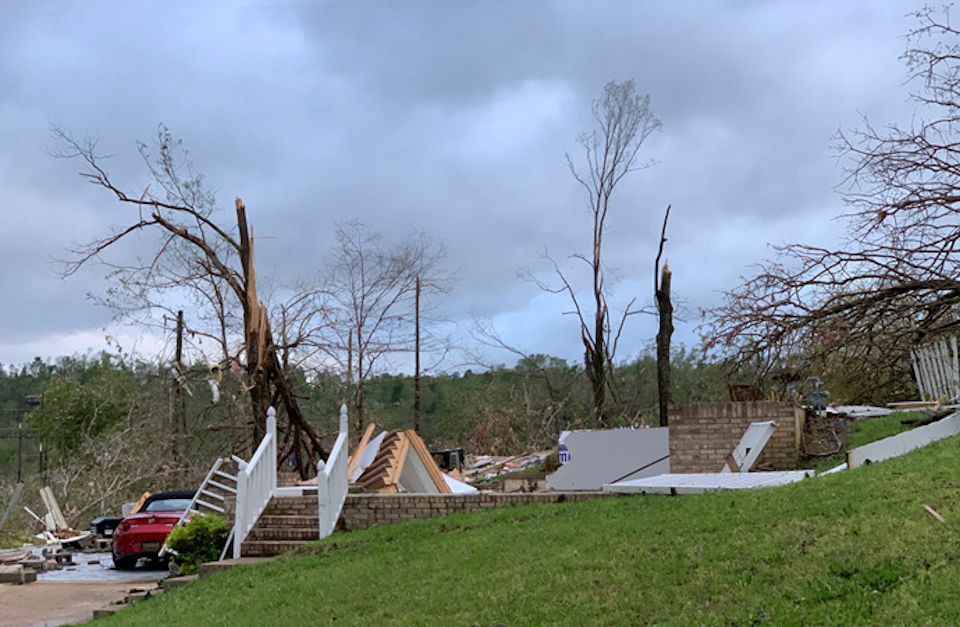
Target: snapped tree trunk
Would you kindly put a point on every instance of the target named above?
(665, 313)
(254, 336)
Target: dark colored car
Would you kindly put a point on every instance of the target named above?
(142, 534)
(104, 526)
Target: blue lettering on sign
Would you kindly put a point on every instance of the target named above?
(564, 454)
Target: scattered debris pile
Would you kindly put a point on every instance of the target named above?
(20, 566)
(735, 473)
(52, 528)
(488, 468)
(824, 433)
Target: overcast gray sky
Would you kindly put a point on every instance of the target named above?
(451, 117)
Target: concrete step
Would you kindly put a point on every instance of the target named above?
(300, 534)
(287, 521)
(268, 548)
(292, 506)
(288, 478)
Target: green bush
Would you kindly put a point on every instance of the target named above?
(200, 540)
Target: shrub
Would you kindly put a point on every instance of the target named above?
(200, 540)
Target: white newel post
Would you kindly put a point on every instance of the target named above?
(271, 459)
(323, 494)
(238, 508)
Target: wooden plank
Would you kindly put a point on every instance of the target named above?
(139, 503)
(934, 513)
(364, 440)
(732, 464)
(956, 368)
(399, 457)
(905, 442)
(930, 373)
(940, 354)
(932, 370)
(53, 508)
(916, 373)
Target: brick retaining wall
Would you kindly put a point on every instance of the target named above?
(364, 510)
(703, 434)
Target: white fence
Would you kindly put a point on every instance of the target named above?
(937, 369)
(256, 482)
(332, 480)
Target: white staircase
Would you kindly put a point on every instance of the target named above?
(211, 497)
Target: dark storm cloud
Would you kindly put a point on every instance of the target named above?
(448, 117)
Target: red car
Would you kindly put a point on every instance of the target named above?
(142, 534)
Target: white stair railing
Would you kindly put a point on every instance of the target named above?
(256, 482)
(204, 492)
(332, 480)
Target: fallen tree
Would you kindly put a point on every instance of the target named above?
(893, 280)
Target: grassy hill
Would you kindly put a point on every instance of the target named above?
(847, 549)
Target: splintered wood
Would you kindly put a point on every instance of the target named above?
(934, 513)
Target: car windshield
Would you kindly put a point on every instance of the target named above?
(167, 505)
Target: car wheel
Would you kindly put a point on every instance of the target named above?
(125, 563)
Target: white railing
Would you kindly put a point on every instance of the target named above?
(256, 482)
(332, 480)
(192, 508)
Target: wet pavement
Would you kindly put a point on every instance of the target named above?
(98, 568)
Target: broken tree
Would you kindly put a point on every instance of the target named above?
(661, 291)
(892, 280)
(200, 258)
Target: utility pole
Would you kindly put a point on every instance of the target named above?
(180, 420)
(19, 451)
(416, 372)
(351, 393)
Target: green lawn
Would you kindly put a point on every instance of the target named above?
(847, 549)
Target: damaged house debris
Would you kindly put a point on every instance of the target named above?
(391, 476)
(291, 409)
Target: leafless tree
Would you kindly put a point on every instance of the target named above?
(894, 279)
(197, 257)
(624, 121)
(371, 287)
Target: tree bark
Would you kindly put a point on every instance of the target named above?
(661, 292)
(665, 313)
